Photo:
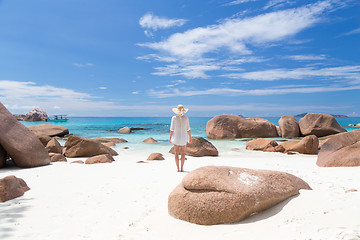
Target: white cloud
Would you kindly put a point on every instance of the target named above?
(306, 57)
(21, 97)
(256, 92)
(81, 65)
(150, 21)
(157, 57)
(135, 92)
(277, 3)
(355, 31)
(175, 83)
(236, 34)
(189, 51)
(348, 73)
(236, 2)
(102, 88)
(189, 71)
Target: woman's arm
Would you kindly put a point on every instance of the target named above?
(189, 132)
(171, 133)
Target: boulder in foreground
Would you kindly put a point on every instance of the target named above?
(199, 147)
(232, 126)
(289, 127)
(342, 150)
(49, 130)
(80, 147)
(24, 148)
(319, 124)
(12, 187)
(214, 195)
(104, 158)
(3, 157)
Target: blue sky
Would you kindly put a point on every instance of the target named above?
(141, 58)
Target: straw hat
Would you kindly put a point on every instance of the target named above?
(180, 110)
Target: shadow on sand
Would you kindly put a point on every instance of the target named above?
(266, 213)
(10, 213)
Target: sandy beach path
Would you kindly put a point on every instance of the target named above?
(128, 200)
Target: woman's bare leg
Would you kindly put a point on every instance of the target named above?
(182, 151)
(176, 147)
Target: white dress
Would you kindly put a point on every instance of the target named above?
(180, 125)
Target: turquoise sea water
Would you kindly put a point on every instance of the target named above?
(92, 127)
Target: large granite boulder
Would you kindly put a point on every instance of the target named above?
(36, 114)
(80, 147)
(12, 187)
(232, 126)
(308, 145)
(19, 117)
(342, 150)
(214, 195)
(44, 139)
(319, 124)
(24, 148)
(199, 147)
(49, 130)
(3, 157)
(289, 127)
(103, 158)
(263, 144)
(53, 146)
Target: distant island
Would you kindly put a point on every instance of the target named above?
(334, 115)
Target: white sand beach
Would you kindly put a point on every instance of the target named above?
(128, 200)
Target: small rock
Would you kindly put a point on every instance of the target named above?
(156, 156)
(105, 140)
(150, 140)
(57, 157)
(351, 190)
(125, 130)
(136, 128)
(78, 161)
(104, 158)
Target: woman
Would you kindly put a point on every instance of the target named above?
(180, 134)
